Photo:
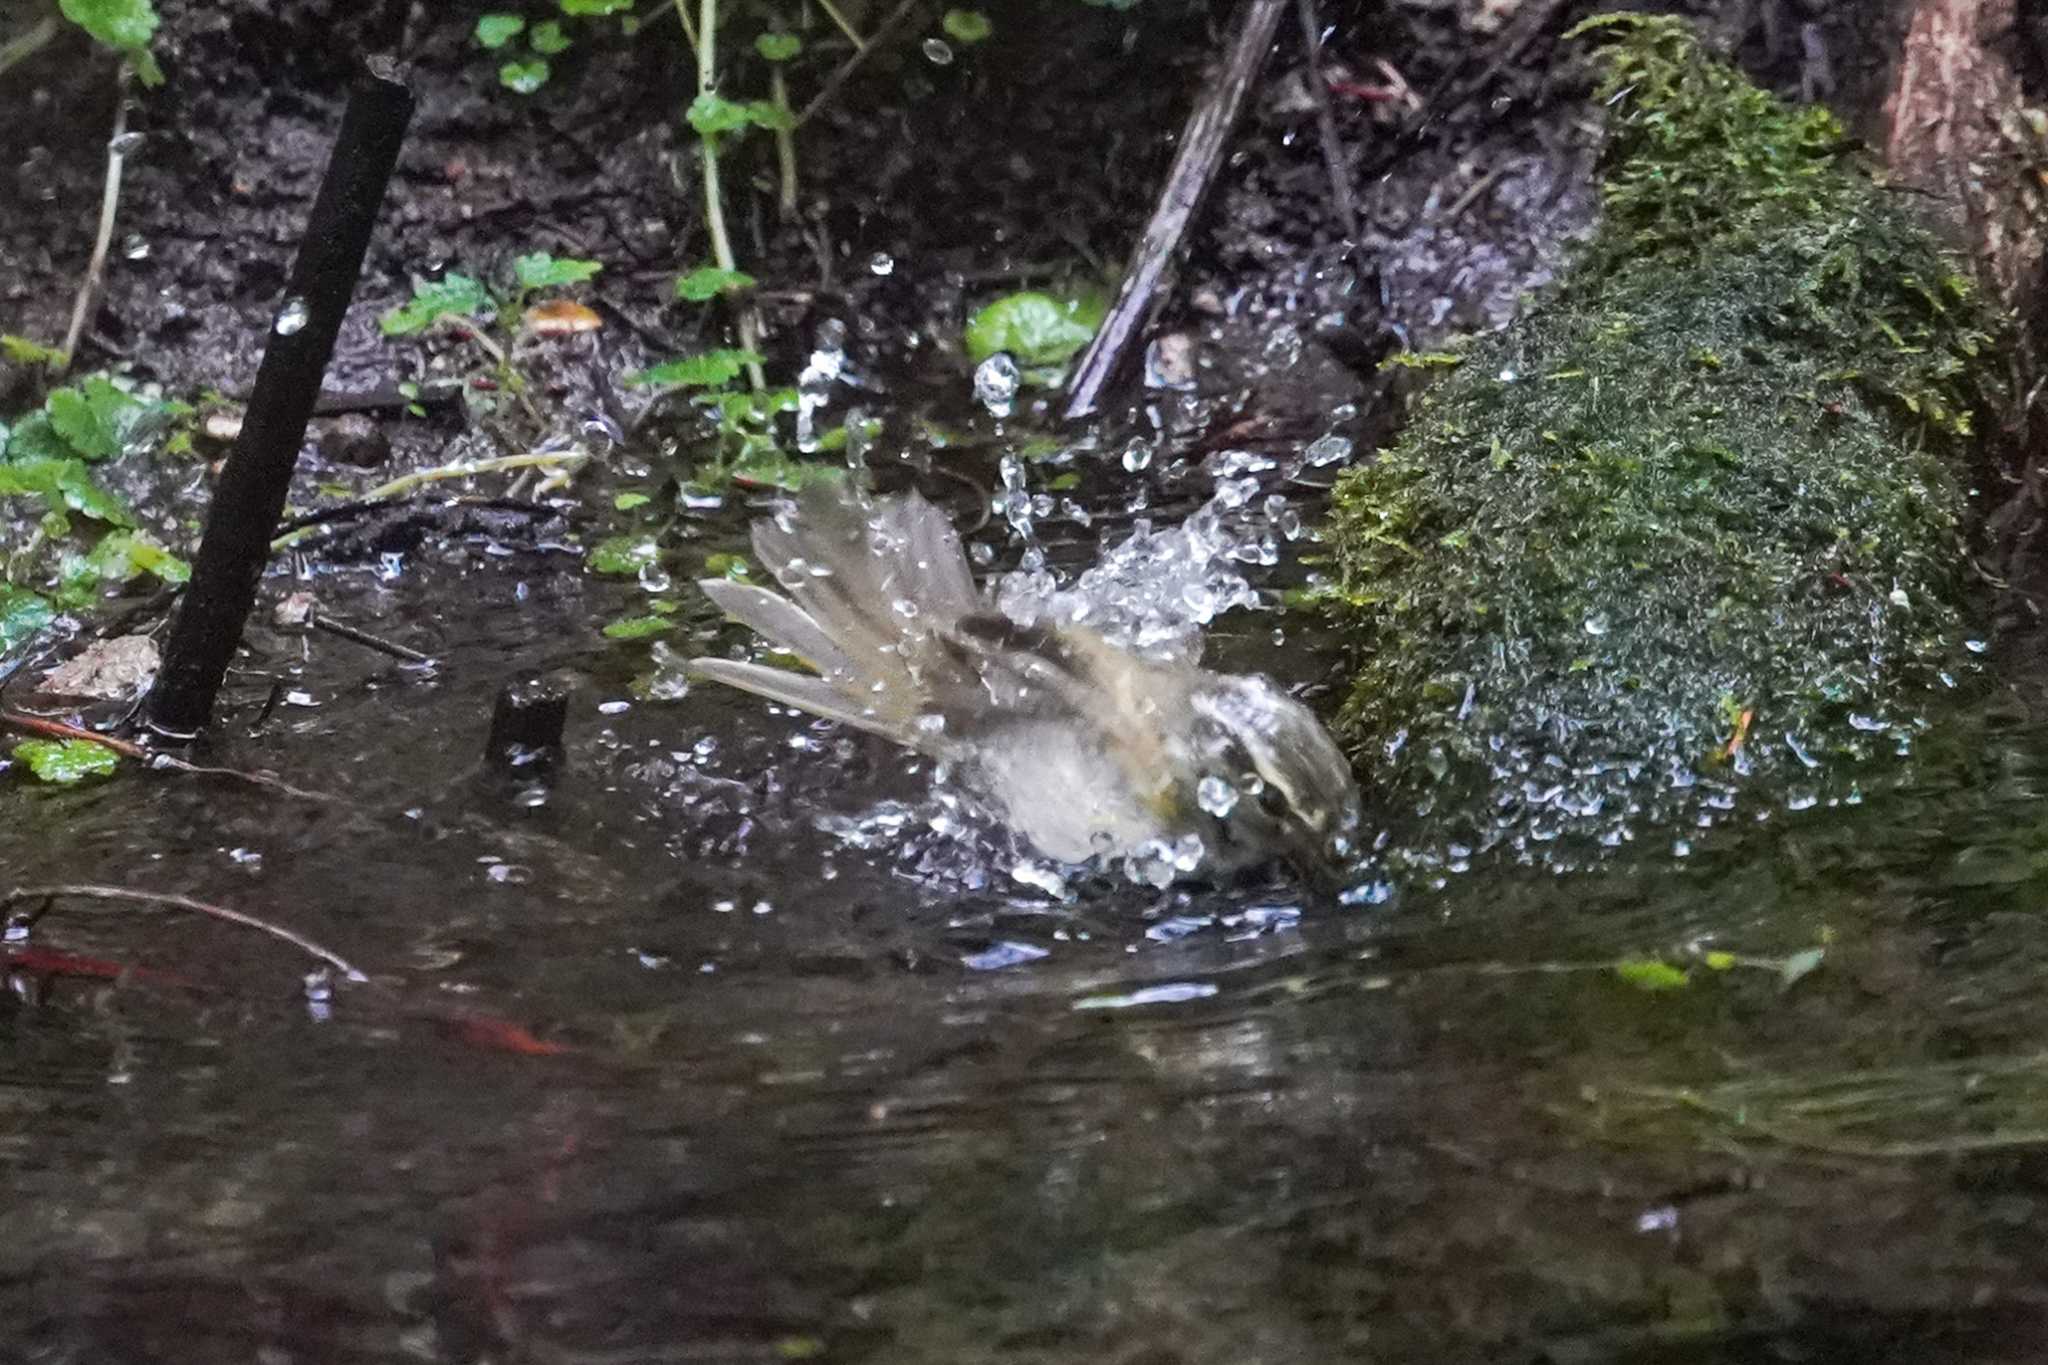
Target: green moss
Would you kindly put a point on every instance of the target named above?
(1693, 520)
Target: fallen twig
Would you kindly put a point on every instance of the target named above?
(367, 640)
(1202, 144)
(172, 901)
(562, 463)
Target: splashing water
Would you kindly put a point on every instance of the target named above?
(1155, 591)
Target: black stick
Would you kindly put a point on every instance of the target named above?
(251, 494)
(1202, 144)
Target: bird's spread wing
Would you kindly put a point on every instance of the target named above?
(872, 587)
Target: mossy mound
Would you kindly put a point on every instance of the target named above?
(1694, 524)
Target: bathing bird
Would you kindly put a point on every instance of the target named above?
(1084, 748)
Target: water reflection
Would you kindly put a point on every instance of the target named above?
(1193, 1127)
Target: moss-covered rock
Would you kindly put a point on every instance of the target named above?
(1693, 525)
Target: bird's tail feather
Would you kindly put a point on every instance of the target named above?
(871, 584)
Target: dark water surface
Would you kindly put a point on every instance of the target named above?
(808, 1114)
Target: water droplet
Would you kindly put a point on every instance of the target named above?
(135, 247)
(1215, 796)
(292, 317)
(1328, 450)
(996, 381)
(881, 263)
(1509, 376)
(1137, 456)
(1595, 623)
(127, 144)
(937, 52)
(602, 433)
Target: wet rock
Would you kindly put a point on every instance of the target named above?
(1685, 538)
(108, 670)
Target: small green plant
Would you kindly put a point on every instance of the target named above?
(126, 26)
(527, 46)
(84, 534)
(503, 324)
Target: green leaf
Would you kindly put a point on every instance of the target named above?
(34, 438)
(22, 351)
(709, 114)
(542, 271)
(595, 6)
(22, 615)
(771, 467)
(778, 47)
(1648, 974)
(523, 78)
(124, 25)
(1034, 328)
(453, 295)
(966, 25)
(124, 554)
(637, 627)
(698, 371)
(626, 502)
(67, 761)
(709, 281)
(92, 419)
(623, 555)
(117, 23)
(1719, 961)
(548, 39)
(768, 114)
(496, 30)
(63, 484)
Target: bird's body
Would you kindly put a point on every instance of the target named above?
(1082, 747)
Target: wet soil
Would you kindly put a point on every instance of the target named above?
(834, 1086)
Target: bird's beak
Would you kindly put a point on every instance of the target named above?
(1314, 859)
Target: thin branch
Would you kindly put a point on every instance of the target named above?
(170, 901)
(561, 461)
(785, 142)
(1204, 139)
(852, 34)
(361, 637)
(714, 202)
(110, 208)
(839, 77)
(33, 40)
(1326, 123)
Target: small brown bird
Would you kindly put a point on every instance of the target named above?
(1082, 747)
